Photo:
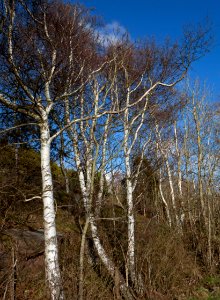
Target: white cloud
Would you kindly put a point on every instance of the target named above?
(111, 33)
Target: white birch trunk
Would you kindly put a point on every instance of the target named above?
(108, 263)
(161, 192)
(165, 157)
(186, 154)
(178, 161)
(130, 205)
(51, 246)
(199, 162)
(172, 190)
(102, 169)
(131, 232)
(164, 201)
(206, 213)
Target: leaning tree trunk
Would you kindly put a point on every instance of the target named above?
(108, 263)
(51, 246)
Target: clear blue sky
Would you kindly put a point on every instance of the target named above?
(162, 18)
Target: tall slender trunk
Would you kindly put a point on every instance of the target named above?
(130, 204)
(161, 191)
(199, 162)
(81, 259)
(131, 232)
(179, 176)
(172, 191)
(166, 159)
(164, 201)
(205, 210)
(187, 162)
(108, 263)
(51, 246)
(178, 163)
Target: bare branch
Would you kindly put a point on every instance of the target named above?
(15, 127)
(32, 198)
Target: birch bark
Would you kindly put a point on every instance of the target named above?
(51, 246)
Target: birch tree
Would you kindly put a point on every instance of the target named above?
(204, 161)
(90, 139)
(144, 75)
(52, 72)
(40, 45)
